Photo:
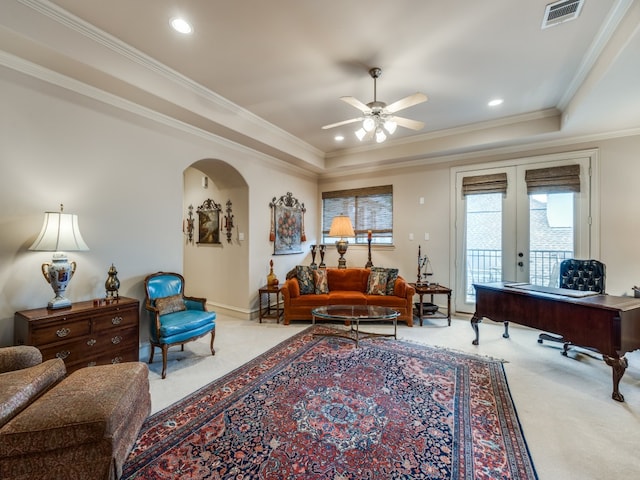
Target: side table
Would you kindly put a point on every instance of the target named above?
(269, 311)
(433, 289)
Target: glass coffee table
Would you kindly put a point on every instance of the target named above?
(353, 315)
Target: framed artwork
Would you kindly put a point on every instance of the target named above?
(287, 225)
(209, 222)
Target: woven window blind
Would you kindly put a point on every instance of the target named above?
(553, 180)
(370, 208)
(494, 183)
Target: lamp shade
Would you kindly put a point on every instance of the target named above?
(341, 227)
(59, 232)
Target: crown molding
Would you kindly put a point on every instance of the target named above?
(43, 74)
(188, 93)
(481, 155)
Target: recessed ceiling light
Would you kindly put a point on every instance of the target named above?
(495, 102)
(181, 25)
(338, 138)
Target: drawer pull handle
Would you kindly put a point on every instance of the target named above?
(116, 320)
(92, 342)
(63, 332)
(64, 354)
(116, 360)
(117, 339)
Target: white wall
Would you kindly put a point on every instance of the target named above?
(123, 175)
(409, 217)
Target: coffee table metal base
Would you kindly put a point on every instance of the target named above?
(352, 316)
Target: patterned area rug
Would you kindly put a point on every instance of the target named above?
(316, 407)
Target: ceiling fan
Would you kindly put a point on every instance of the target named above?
(378, 117)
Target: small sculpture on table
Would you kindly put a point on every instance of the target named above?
(323, 249)
(369, 263)
(272, 280)
(423, 263)
(112, 285)
(313, 256)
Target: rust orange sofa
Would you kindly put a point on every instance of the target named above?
(347, 286)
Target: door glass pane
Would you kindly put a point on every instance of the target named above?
(551, 237)
(483, 240)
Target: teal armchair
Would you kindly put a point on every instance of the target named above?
(174, 318)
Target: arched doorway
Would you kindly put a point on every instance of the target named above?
(218, 271)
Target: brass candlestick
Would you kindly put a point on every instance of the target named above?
(369, 263)
(313, 255)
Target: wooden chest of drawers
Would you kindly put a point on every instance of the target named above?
(84, 334)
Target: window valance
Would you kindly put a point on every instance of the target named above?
(494, 183)
(553, 180)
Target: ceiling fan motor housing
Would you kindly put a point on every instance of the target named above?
(375, 72)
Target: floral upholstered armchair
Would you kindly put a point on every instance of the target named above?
(174, 318)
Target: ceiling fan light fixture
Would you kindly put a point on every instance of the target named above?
(378, 119)
(368, 124)
(390, 126)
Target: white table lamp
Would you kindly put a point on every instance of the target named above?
(59, 233)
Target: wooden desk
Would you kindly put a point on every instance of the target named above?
(269, 311)
(433, 289)
(606, 323)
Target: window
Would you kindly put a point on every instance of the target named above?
(369, 208)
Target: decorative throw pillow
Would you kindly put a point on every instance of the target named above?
(392, 276)
(377, 283)
(174, 303)
(305, 280)
(320, 281)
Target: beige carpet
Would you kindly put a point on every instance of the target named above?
(573, 427)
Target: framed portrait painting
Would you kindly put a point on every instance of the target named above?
(287, 225)
(209, 222)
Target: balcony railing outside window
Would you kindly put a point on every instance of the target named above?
(485, 265)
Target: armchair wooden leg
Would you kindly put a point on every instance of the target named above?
(165, 349)
(213, 336)
(153, 349)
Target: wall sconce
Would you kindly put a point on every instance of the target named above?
(188, 225)
(228, 221)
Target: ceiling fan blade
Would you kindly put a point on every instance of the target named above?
(406, 102)
(408, 123)
(344, 122)
(354, 102)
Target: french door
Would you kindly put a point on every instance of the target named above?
(518, 220)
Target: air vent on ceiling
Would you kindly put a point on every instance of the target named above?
(559, 12)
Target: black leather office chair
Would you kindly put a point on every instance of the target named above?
(575, 274)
